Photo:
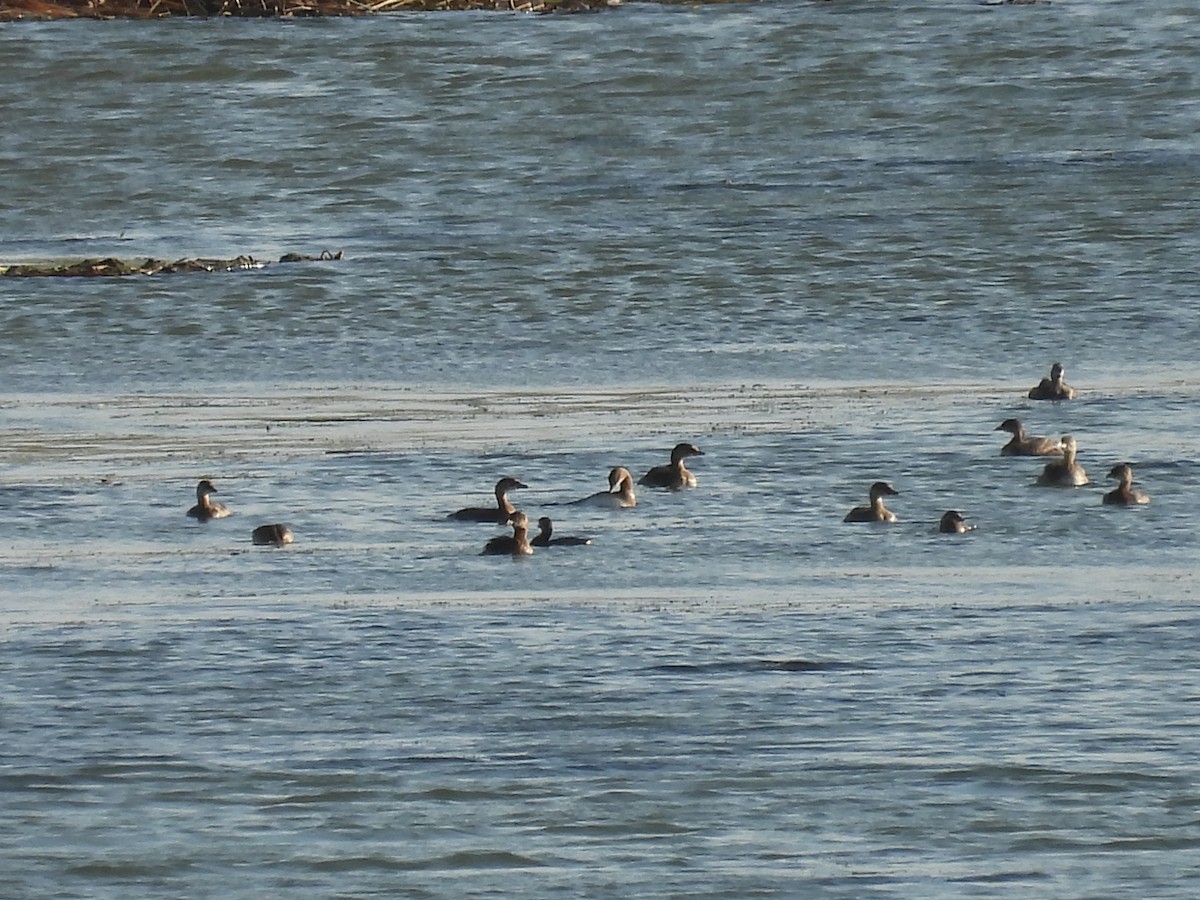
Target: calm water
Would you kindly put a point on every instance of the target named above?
(828, 242)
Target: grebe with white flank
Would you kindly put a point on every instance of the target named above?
(876, 512)
(206, 508)
(1065, 472)
(673, 475)
(1125, 494)
(619, 495)
(952, 522)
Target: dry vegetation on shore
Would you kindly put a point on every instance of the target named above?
(111, 266)
(14, 10)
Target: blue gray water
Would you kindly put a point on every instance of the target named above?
(828, 242)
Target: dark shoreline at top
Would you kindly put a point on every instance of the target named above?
(46, 10)
(49, 10)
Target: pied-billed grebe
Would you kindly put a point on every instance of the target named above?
(673, 475)
(619, 495)
(497, 514)
(1065, 472)
(515, 544)
(1053, 388)
(953, 523)
(207, 508)
(876, 512)
(544, 539)
(1025, 445)
(276, 535)
(1125, 494)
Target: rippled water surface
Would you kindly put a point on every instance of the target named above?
(830, 243)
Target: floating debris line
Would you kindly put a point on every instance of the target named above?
(111, 266)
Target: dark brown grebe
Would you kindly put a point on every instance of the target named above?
(544, 539)
(497, 514)
(1053, 388)
(515, 544)
(206, 508)
(673, 475)
(277, 535)
(1026, 445)
(953, 523)
(1125, 494)
(876, 512)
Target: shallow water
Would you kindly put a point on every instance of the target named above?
(563, 750)
(830, 243)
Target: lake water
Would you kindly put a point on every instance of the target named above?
(830, 243)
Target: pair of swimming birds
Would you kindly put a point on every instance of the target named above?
(951, 522)
(276, 534)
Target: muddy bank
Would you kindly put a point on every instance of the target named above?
(109, 267)
(14, 10)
